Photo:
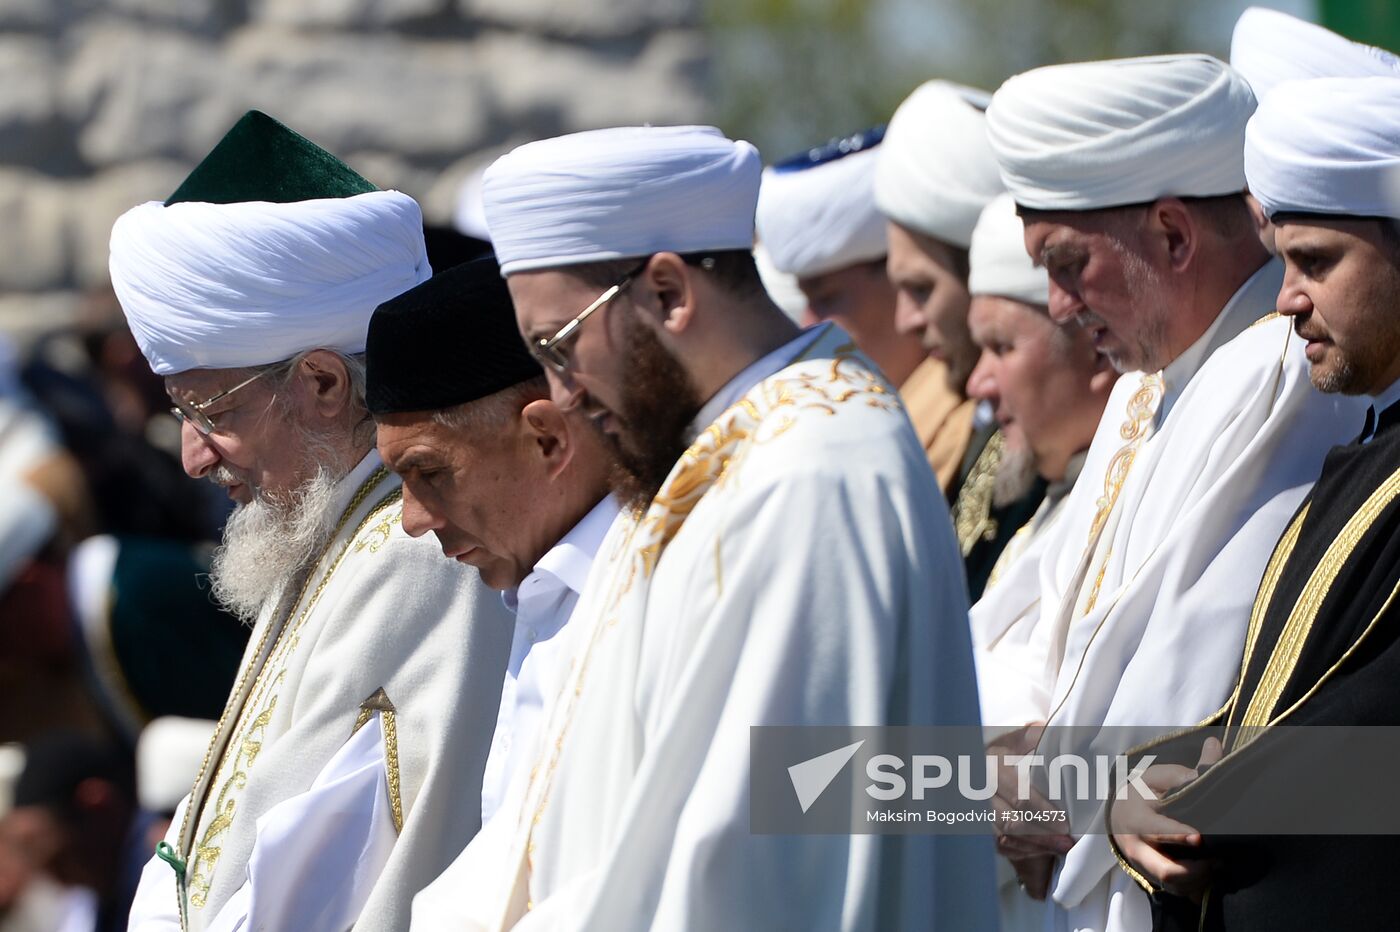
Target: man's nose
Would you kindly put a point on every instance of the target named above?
(909, 315)
(417, 519)
(982, 383)
(1065, 304)
(197, 455)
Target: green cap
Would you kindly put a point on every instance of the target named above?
(262, 160)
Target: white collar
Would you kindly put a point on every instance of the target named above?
(571, 558)
(1253, 300)
(739, 386)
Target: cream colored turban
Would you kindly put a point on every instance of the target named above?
(619, 193)
(935, 170)
(999, 262)
(1327, 146)
(1105, 134)
(820, 218)
(1269, 47)
(222, 286)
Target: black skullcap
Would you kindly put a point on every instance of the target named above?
(262, 160)
(450, 340)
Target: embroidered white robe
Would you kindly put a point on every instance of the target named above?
(797, 567)
(380, 612)
(1142, 623)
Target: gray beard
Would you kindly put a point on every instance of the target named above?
(1015, 475)
(272, 543)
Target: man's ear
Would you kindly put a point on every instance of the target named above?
(1171, 222)
(672, 285)
(546, 431)
(325, 374)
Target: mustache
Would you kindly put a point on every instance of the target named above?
(223, 477)
(1301, 328)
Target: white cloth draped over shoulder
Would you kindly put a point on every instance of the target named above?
(222, 286)
(1269, 47)
(384, 626)
(1327, 146)
(1141, 623)
(816, 582)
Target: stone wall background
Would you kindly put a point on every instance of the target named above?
(104, 105)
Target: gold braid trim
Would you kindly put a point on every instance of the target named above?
(972, 512)
(1284, 658)
(1142, 408)
(235, 710)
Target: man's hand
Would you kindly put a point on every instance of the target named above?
(1148, 839)
(1030, 845)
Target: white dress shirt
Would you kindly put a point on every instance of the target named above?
(540, 648)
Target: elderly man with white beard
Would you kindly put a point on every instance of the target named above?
(364, 706)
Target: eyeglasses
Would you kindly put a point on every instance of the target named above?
(549, 351)
(193, 412)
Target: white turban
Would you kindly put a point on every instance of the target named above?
(168, 754)
(1270, 47)
(222, 286)
(999, 262)
(935, 170)
(620, 193)
(1327, 146)
(1106, 134)
(821, 218)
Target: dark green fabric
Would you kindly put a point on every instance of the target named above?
(262, 160)
(177, 651)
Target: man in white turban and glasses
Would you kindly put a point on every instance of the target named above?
(360, 719)
(1323, 158)
(787, 560)
(1129, 178)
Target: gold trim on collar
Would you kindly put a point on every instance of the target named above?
(1284, 657)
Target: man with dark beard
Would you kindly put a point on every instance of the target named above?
(332, 788)
(787, 560)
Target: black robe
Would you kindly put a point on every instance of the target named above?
(1334, 575)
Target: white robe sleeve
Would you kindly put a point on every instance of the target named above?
(317, 855)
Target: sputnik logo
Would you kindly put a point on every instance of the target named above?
(811, 777)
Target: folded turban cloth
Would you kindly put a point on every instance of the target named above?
(782, 287)
(1000, 264)
(221, 286)
(272, 246)
(816, 212)
(1327, 146)
(1269, 47)
(935, 170)
(1105, 134)
(621, 193)
(451, 340)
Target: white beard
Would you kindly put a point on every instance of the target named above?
(1015, 475)
(270, 543)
